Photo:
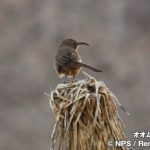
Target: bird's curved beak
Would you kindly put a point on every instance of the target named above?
(82, 43)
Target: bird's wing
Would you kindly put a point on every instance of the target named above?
(66, 57)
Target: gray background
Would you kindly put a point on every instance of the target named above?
(30, 30)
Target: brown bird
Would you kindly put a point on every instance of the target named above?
(68, 61)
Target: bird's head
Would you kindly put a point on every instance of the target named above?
(72, 43)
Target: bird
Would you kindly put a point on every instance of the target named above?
(68, 62)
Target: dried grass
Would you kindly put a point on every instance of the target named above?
(86, 116)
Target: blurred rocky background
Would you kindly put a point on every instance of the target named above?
(30, 30)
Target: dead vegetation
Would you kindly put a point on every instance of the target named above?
(86, 116)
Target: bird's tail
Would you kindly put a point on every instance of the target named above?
(89, 67)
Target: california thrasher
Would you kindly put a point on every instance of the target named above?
(68, 61)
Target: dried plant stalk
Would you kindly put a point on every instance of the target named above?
(86, 116)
